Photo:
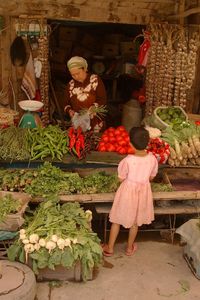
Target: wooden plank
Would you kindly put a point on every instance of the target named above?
(104, 157)
(109, 197)
(174, 209)
(185, 209)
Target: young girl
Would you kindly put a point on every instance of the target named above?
(133, 202)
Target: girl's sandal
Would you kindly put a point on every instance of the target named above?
(106, 252)
(132, 251)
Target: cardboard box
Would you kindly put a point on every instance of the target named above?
(67, 33)
(127, 48)
(110, 50)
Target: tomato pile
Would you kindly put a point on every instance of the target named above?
(115, 140)
(160, 149)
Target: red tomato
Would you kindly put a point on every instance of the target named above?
(111, 148)
(119, 139)
(130, 150)
(112, 139)
(105, 138)
(122, 150)
(118, 132)
(121, 128)
(122, 142)
(127, 139)
(111, 129)
(102, 148)
(101, 143)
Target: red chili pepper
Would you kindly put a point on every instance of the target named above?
(82, 141)
(79, 131)
(72, 141)
(77, 148)
(71, 132)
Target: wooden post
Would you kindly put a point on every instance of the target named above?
(0, 269)
(5, 57)
(181, 11)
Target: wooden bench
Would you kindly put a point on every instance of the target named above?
(171, 211)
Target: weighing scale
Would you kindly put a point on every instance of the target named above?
(29, 118)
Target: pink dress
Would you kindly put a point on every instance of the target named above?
(133, 202)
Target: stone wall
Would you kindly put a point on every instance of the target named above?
(120, 11)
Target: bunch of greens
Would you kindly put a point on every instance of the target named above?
(14, 143)
(48, 179)
(161, 187)
(58, 235)
(15, 180)
(51, 179)
(100, 182)
(8, 205)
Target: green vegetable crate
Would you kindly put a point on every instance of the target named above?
(13, 221)
(163, 113)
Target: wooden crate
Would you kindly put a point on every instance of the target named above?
(13, 221)
(63, 274)
(183, 179)
(194, 117)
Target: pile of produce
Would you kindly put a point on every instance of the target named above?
(184, 144)
(8, 205)
(160, 149)
(58, 235)
(14, 143)
(48, 179)
(115, 140)
(50, 141)
(161, 187)
(81, 143)
(173, 116)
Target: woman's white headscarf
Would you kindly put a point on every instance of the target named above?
(77, 62)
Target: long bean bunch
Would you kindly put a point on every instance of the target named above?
(13, 143)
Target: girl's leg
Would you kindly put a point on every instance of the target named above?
(114, 231)
(131, 237)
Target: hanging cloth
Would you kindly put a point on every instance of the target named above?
(144, 50)
(29, 84)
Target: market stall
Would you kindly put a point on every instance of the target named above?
(62, 167)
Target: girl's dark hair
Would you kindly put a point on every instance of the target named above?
(139, 137)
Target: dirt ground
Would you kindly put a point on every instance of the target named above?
(156, 271)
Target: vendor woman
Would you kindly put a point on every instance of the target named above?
(84, 90)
